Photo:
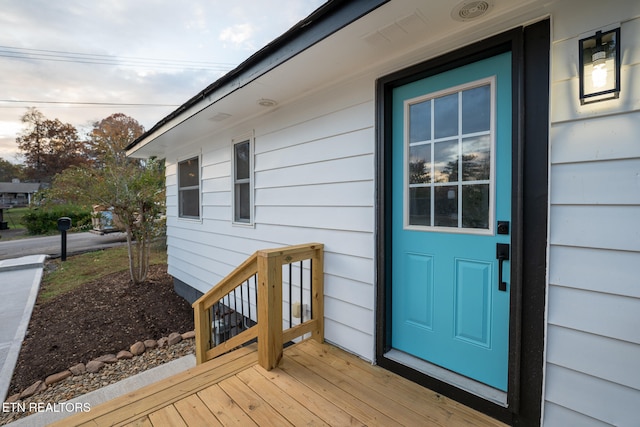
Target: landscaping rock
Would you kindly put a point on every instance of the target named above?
(94, 366)
(13, 398)
(78, 369)
(162, 342)
(189, 335)
(138, 348)
(107, 358)
(124, 354)
(150, 343)
(174, 338)
(34, 388)
(52, 379)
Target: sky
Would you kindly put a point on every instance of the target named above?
(80, 61)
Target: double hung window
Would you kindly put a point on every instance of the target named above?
(189, 188)
(243, 182)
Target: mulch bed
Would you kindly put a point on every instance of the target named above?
(101, 317)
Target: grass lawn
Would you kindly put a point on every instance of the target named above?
(80, 269)
(13, 217)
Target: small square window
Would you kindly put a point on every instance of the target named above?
(189, 188)
(243, 182)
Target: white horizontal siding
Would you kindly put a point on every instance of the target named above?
(601, 400)
(332, 218)
(341, 170)
(597, 270)
(349, 143)
(608, 315)
(605, 227)
(345, 336)
(609, 359)
(313, 180)
(592, 373)
(559, 416)
(614, 182)
(357, 193)
(596, 139)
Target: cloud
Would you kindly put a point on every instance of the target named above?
(147, 38)
(240, 35)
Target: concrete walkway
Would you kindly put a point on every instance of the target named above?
(19, 284)
(94, 398)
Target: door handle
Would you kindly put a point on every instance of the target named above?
(502, 253)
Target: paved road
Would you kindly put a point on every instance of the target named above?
(51, 245)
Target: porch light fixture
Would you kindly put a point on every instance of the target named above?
(600, 67)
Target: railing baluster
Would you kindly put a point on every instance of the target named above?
(249, 297)
(290, 301)
(301, 295)
(255, 292)
(310, 290)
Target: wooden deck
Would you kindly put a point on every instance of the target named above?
(315, 384)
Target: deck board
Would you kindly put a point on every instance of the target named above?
(194, 412)
(315, 384)
(224, 408)
(167, 416)
(310, 399)
(294, 412)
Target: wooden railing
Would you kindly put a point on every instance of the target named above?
(263, 270)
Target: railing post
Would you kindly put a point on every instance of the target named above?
(269, 310)
(202, 323)
(317, 292)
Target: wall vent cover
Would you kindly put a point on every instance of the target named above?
(469, 10)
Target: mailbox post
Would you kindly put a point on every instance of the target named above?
(64, 224)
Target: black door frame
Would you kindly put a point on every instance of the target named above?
(529, 47)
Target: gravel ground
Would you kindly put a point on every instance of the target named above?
(75, 386)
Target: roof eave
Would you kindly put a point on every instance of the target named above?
(324, 21)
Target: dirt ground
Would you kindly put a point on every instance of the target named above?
(98, 318)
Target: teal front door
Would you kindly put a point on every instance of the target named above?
(451, 215)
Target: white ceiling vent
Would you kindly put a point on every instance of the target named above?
(218, 117)
(469, 10)
(412, 24)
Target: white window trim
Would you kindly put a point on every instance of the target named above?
(178, 188)
(249, 136)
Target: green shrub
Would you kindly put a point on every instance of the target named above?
(42, 220)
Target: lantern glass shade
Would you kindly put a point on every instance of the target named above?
(600, 67)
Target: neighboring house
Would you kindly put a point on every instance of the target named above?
(481, 226)
(16, 193)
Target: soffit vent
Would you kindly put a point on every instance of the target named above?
(218, 117)
(470, 10)
(412, 24)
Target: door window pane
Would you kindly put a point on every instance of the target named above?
(446, 116)
(449, 159)
(446, 206)
(420, 206)
(420, 164)
(420, 121)
(476, 158)
(446, 161)
(475, 206)
(476, 109)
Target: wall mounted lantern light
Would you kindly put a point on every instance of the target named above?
(600, 67)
